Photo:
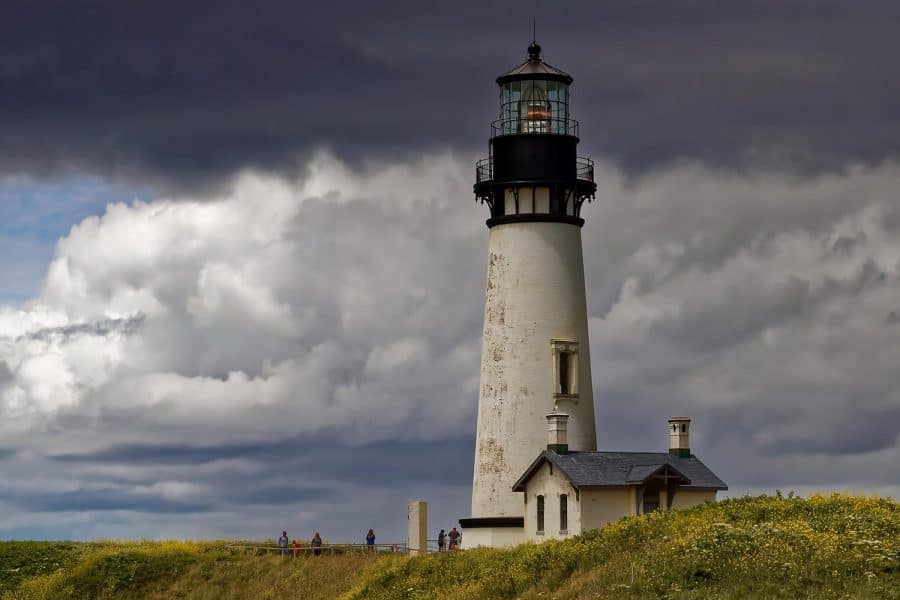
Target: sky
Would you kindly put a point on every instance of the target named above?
(242, 268)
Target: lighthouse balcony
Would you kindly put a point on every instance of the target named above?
(530, 124)
(513, 198)
(484, 170)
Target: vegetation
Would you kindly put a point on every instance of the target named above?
(165, 570)
(768, 547)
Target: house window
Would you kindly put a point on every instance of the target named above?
(563, 513)
(540, 514)
(565, 367)
(651, 501)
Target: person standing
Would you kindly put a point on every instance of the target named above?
(454, 539)
(370, 540)
(317, 544)
(283, 543)
(442, 540)
(296, 548)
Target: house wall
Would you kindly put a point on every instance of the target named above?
(606, 505)
(685, 498)
(550, 486)
(492, 537)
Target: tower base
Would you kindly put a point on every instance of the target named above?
(493, 532)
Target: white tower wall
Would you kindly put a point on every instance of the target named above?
(535, 294)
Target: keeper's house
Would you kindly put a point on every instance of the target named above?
(567, 493)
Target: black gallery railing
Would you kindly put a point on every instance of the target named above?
(520, 125)
(484, 169)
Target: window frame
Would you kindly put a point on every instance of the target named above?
(539, 515)
(564, 513)
(570, 349)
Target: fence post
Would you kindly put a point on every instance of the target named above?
(418, 527)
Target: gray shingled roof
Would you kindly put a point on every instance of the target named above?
(641, 473)
(609, 469)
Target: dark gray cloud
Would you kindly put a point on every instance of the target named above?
(101, 499)
(278, 493)
(210, 485)
(181, 93)
(101, 328)
(312, 457)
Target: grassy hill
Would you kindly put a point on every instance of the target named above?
(825, 547)
(165, 570)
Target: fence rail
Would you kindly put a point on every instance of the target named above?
(323, 549)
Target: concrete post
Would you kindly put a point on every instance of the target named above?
(417, 538)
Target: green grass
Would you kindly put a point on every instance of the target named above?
(768, 547)
(163, 570)
(23, 560)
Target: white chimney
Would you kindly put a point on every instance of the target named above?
(680, 436)
(557, 432)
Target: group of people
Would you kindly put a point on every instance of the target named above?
(445, 541)
(454, 537)
(286, 546)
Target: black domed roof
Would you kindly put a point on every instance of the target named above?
(535, 68)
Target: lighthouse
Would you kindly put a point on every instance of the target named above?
(535, 357)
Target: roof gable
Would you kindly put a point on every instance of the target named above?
(641, 473)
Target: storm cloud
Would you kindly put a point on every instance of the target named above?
(183, 94)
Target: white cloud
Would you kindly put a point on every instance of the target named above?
(349, 304)
(263, 312)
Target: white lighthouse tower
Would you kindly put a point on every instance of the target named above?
(535, 352)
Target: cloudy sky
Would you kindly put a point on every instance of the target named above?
(242, 269)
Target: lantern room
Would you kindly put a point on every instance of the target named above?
(533, 172)
(534, 97)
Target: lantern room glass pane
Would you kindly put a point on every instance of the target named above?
(534, 109)
(534, 106)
